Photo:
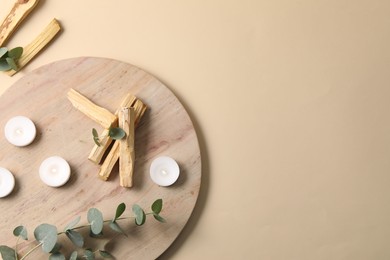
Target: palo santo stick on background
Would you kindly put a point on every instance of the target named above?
(113, 155)
(19, 11)
(100, 115)
(37, 45)
(126, 118)
(97, 152)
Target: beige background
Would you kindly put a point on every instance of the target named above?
(290, 102)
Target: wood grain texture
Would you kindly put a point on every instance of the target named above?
(126, 147)
(165, 129)
(19, 11)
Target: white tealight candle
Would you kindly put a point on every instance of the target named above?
(54, 171)
(20, 131)
(7, 182)
(164, 171)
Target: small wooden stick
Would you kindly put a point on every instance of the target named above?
(126, 118)
(113, 155)
(33, 48)
(19, 11)
(139, 108)
(97, 152)
(109, 163)
(100, 115)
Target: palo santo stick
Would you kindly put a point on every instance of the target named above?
(37, 45)
(109, 162)
(19, 11)
(113, 155)
(97, 152)
(139, 109)
(126, 118)
(100, 115)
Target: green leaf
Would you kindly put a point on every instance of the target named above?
(116, 133)
(73, 223)
(15, 53)
(47, 235)
(20, 231)
(11, 62)
(95, 236)
(89, 255)
(4, 66)
(97, 141)
(95, 136)
(105, 254)
(57, 256)
(157, 206)
(3, 51)
(159, 218)
(140, 216)
(76, 238)
(7, 253)
(94, 133)
(73, 256)
(56, 248)
(115, 226)
(95, 218)
(119, 210)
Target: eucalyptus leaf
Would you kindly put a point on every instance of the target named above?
(95, 236)
(73, 223)
(95, 136)
(20, 231)
(140, 216)
(4, 66)
(7, 253)
(157, 206)
(105, 254)
(15, 53)
(119, 210)
(115, 226)
(94, 133)
(96, 140)
(116, 133)
(57, 256)
(3, 51)
(11, 62)
(73, 256)
(47, 235)
(89, 255)
(56, 248)
(76, 238)
(159, 218)
(95, 218)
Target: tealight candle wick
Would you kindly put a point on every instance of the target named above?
(19, 131)
(164, 172)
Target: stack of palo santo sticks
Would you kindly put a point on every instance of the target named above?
(127, 117)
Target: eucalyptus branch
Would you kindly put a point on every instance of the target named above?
(47, 235)
(28, 252)
(9, 58)
(115, 133)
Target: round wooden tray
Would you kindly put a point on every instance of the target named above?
(165, 129)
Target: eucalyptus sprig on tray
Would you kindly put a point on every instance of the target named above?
(46, 235)
(115, 133)
(9, 58)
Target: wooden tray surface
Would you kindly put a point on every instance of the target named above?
(165, 129)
